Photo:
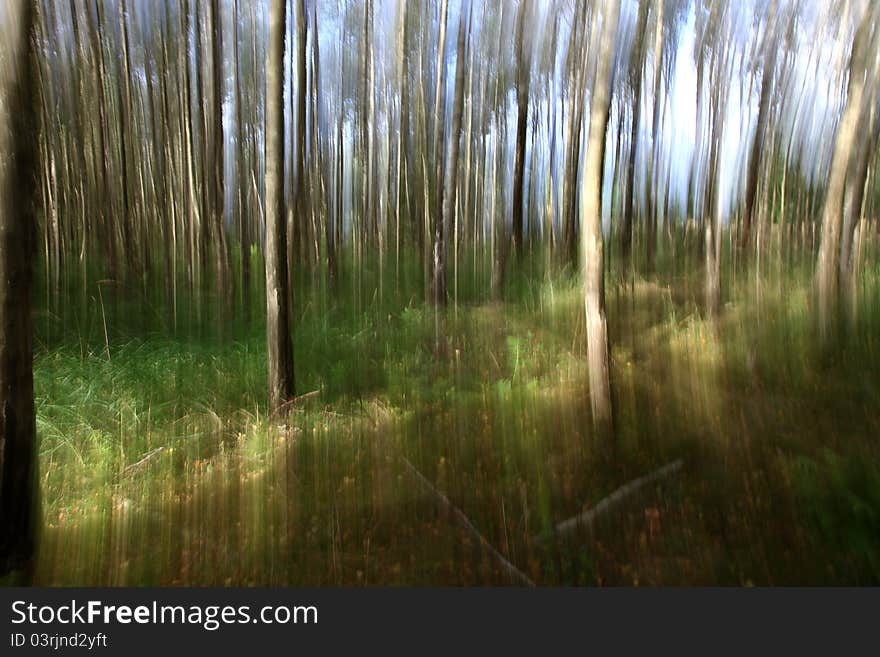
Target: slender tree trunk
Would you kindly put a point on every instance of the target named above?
(636, 66)
(499, 241)
(125, 124)
(403, 153)
(522, 120)
(216, 159)
(300, 244)
(592, 264)
(651, 218)
(577, 90)
(244, 236)
(451, 178)
(770, 50)
(203, 225)
(438, 253)
(280, 347)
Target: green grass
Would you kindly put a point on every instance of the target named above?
(159, 464)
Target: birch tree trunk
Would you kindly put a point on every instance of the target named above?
(592, 264)
(828, 263)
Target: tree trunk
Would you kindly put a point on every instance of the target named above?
(751, 192)
(857, 179)
(499, 241)
(522, 119)
(19, 493)
(126, 125)
(651, 218)
(216, 158)
(244, 236)
(438, 252)
(591, 228)
(300, 205)
(636, 65)
(828, 264)
(451, 178)
(280, 348)
(577, 89)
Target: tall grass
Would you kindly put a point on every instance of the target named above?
(160, 465)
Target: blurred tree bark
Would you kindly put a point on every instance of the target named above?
(828, 262)
(592, 257)
(438, 254)
(523, 78)
(636, 67)
(280, 347)
(19, 493)
(769, 49)
(653, 189)
(216, 159)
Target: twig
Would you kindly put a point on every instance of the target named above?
(295, 400)
(587, 519)
(104, 317)
(514, 572)
(306, 395)
(146, 457)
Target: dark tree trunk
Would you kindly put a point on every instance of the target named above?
(635, 72)
(216, 158)
(451, 178)
(751, 192)
(19, 496)
(438, 251)
(522, 120)
(299, 246)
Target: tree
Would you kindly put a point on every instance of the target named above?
(577, 55)
(19, 498)
(280, 347)
(857, 179)
(452, 163)
(636, 66)
(243, 223)
(704, 186)
(438, 253)
(828, 262)
(592, 265)
(654, 154)
(216, 157)
(770, 48)
(500, 241)
(523, 76)
(296, 224)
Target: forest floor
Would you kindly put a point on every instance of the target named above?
(159, 465)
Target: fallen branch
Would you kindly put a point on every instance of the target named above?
(586, 521)
(514, 572)
(293, 401)
(144, 459)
